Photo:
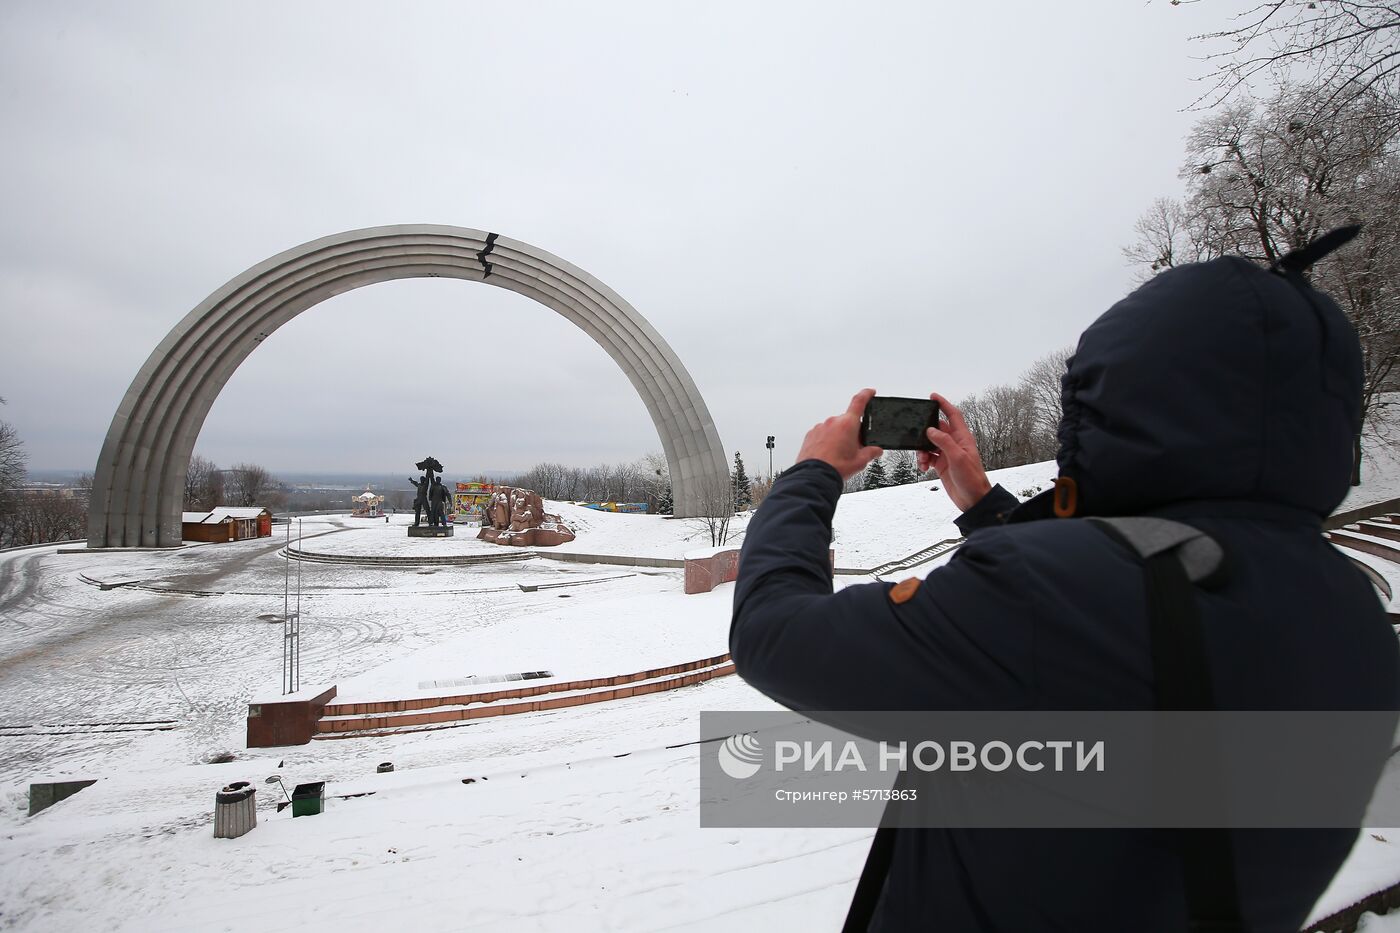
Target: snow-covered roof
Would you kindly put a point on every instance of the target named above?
(368, 496)
(225, 512)
(222, 514)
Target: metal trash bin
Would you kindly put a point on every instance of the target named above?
(235, 810)
(308, 799)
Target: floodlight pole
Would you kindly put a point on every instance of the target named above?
(291, 620)
(770, 459)
(296, 624)
(287, 613)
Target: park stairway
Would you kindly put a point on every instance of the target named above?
(1378, 538)
(408, 560)
(915, 559)
(348, 719)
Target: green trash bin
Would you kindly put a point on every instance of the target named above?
(308, 799)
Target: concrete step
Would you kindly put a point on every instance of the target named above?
(1357, 542)
(407, 560)
(342, 720)
(1381, 529)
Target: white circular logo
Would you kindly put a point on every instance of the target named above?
(740, 756)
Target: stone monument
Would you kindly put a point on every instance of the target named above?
(432, 496)
(137, 495)
(517, 517)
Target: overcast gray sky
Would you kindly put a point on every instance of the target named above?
(802, 198)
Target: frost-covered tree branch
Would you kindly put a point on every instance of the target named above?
(1352, 49)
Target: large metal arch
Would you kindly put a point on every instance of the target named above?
(138, 486)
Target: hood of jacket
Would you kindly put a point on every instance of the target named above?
(1218, 380)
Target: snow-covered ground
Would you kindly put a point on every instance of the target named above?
(580, 818)
(1380, 477)
(886, 524)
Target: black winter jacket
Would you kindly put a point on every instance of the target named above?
(1221, 395)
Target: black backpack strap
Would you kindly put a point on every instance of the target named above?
(873, 875)
(1173, 556)
(872, 882)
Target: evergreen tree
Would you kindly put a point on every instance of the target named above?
(743, 489)
(665, 504)
(904, 470)
(875, 476)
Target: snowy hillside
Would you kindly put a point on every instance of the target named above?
(135, 669)
(871, 527)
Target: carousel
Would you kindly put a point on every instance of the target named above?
(367, 505)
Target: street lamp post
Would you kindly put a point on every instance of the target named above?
(770, 459)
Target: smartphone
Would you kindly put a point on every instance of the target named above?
(898, 423)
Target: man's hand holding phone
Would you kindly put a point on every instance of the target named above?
(836, 440)
(956, 461)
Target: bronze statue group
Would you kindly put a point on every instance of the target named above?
(432, 494)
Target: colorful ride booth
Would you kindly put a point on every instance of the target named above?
(470, 501)
(367, 505)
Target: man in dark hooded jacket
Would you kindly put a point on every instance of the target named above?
(1221, 395)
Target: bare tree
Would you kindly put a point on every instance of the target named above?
(12, 472)
(656, 480)
(1041, 382)
(250, 485)
(12, 460)
(204, 485)
(623, 482)
(41, 516)
(12, 457)
(1002, 421)
(547, 479)
(1168, 236)
(82, 487)
(715, 496)
(1349, 48)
